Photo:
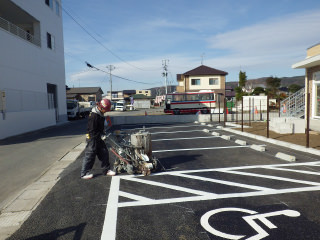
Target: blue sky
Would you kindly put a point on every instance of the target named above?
(262, 38)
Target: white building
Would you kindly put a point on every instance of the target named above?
(32, 81)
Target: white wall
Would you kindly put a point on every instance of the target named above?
(26, 69)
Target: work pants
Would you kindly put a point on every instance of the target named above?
(95, 147)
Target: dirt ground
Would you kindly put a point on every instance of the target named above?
(260, 128)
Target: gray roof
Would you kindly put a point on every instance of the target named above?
(85, 90)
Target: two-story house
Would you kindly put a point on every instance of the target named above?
(203, 78)
(32, 82)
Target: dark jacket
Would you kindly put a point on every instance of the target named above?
(95, 126)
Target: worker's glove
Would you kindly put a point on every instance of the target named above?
(103, 137)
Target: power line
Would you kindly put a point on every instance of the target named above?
(84, 29)
(91, 66)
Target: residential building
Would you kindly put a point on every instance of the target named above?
(32, 83)
(144, 92)
(203, 78)
(116, 95)
(85, 94)
(312, 82)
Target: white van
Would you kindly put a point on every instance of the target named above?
(120, 106)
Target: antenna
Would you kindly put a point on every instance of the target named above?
(202, 56)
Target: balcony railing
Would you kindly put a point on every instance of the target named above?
(8, 26)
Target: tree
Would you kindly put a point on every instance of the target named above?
(242, 83)
(294, 88)
(273, 84)
(258, 90)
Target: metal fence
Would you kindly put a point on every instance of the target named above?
(10, 27)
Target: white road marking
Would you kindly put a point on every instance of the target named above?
(109, 227)
(293, 170)
(110, 221)
(205, 179)
(197, 149)
(133, 196)
(175, 126)
(271, 177)
(173, 187)
(174, 139)
(176, 132)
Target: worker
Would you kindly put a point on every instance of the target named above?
(95, 145)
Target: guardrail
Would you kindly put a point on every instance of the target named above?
(10, 27)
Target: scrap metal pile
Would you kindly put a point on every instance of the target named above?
(133, 152)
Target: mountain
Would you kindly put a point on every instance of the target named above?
(261, 82)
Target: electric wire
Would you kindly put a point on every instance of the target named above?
(100, 43)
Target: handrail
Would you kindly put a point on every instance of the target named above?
(294, 105)
(10, 27)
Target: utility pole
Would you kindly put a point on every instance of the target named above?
(165, 73)
(110, 68)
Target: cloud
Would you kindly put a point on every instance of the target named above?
(277, 36)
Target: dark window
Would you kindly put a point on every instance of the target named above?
(49, 42)
(195, 81)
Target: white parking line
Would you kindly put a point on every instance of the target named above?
(271, 177)
(197, 149)
(110, 220)
(174, 139)
(109, 227)
(177, 132)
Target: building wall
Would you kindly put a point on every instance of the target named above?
(310, 82)
(26, 69)
(315, 50)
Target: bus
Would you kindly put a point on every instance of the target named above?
(190, 102)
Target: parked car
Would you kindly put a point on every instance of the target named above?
(120, 106)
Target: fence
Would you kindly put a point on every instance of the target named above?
(8, 26)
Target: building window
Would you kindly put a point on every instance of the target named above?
(50, 41)
(57, 8)
(49, 3)
(195, 81)
(213, 81)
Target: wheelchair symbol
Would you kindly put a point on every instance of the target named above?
(250, 219)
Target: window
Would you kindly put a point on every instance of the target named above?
(57, 7)
(49, 3)
(195, 81)
(50, 41)
(213, 81)
(316, 94)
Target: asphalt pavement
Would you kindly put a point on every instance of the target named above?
(210, 187)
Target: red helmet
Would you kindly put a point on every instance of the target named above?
(105, 104)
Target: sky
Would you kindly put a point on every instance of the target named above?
(259, 37)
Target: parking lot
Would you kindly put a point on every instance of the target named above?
(211, 187)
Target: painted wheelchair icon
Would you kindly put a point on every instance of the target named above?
(250, 219)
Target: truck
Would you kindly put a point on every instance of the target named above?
(76, 109)
(121, 106)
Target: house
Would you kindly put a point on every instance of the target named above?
(85, 94)
(142, 101)
(203, 78)
(312, 82)
(32, 85)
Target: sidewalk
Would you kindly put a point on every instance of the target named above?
(258, 130)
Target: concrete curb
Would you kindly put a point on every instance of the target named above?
(19, 209)
(276, 142)
(285, 157)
